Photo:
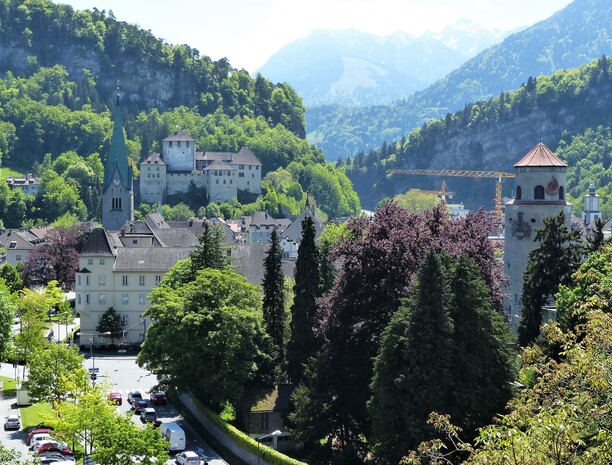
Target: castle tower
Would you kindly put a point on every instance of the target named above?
(118, 192)
(591, 208)
(179, 152)
(540, 186)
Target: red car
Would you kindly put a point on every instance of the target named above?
(39, 429)
(54, 446)
(158, 397)
(114, 397)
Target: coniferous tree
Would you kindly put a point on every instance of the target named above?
(110, 322)
(550, 265)
(412, 371)
(596, 239)
(211, 251)
(302, 344)
(274, 298)
(483, 367)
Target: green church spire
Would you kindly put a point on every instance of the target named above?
(117, 157)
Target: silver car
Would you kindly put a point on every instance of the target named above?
(12, 422)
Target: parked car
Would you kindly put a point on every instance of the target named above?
(134, 397)
(188, 457)
(38, 437)
(114, 397)
(55, 446)
(158, 398)
(40, 428)
(47, 458)
(12, 422)
(148, 415)
(139, 405)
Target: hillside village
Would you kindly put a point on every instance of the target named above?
(282, 315)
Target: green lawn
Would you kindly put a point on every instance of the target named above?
(32, 414)
(9, 172)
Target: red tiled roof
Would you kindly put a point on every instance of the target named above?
(540, 155)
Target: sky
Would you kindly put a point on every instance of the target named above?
(248, 32)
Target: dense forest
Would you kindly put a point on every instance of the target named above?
(569, 111)
(59, 71)
(568, 39)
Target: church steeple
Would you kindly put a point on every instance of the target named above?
(117, 157)
(118, 193)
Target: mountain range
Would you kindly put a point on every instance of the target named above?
(352, 68)
(570, 38)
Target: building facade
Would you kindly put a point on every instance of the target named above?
(540, 187)
(222, 174)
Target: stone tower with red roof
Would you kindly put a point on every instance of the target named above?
(540, 187)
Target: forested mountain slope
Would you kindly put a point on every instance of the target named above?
(570, 38)
(493, 135)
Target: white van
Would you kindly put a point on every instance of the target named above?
(174, 434)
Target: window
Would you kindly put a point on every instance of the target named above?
(141, 299)
(87, 299)
(90, 261)
(79, 299)
(538, 193)
(101, 280)
(101, 261)
(561, 193)
(134, 241)
(87, 280)
(241, 175)
(124, 299)
(124, 280)
(141, 280)
(102, 299)
(518, 192)
(79, 280)
(170, 144)
(241, 167)
(157, 279)
(263, 421)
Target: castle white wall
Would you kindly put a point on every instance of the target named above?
(152, 183)
(179, 155)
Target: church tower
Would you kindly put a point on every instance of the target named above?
(118, 192)
(540, 187)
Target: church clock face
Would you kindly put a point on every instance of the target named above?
(116, 181)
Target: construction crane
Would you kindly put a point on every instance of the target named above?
(442, 193)
(498, 175)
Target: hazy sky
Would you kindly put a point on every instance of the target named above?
(248, 32)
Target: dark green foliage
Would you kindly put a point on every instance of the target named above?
(483, 363)
(274, 298)
(211, 252)
(111, 322)
(207, 336)
(551, 265)
(412, 372)
(303, 343)
(12, 277)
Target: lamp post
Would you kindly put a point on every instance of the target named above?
(272, 434)
(91, 352)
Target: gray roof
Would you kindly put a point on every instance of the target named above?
(246, 157)
(248, 260)
(176, 237)
(149, 259)
(219, 165)
(294, 230)
(179, 135)
(263, 219)
(153, 159)
(98, 244)
(218, 156)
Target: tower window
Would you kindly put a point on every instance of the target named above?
(561, 193)
(538, 193)
(518, 192)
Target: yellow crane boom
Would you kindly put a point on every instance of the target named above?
(499, 175)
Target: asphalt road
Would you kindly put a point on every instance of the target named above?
(118, 373)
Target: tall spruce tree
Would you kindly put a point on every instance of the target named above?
(550, 265)
(274, 298)
(302, 343)
(412, 371)
(483, 365)
(211, 252)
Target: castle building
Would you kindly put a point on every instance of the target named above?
(221, 174)
(117, 188)
(540, 187)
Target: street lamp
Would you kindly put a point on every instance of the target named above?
(272, 434)
(91, 352)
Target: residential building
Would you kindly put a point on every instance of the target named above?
(29, 184)
(18, 243)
